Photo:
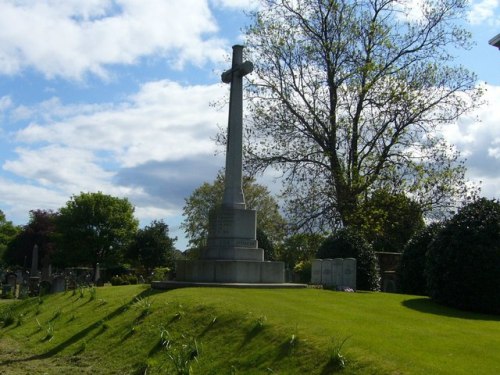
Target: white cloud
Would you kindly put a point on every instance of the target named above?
(164, 121)
(152, 148)
(238, 4)
(484, 12)
(477, 136)
(71, 38)
(5, 102)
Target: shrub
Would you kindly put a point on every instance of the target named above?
(463, 262)
(347, 243)
(123, 280)
(411, 277)
(303, 270)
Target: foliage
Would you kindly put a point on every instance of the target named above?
(208, 196)
(299, 247)
(463, 262)
(348, 97)
(266, 245)
(388, 220)
(152, 247)
(411, 271)
(303, 269)
(347, 243)
(40, 231)
(95, 228)
(123, 280)
(8, 232)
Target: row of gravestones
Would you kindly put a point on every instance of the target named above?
(339, 273)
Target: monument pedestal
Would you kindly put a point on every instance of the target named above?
(232, 255)
(230, 271)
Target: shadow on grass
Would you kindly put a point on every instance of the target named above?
(251, 334)
(428, 306)
(84, 332)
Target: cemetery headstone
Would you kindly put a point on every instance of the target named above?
(349, 273)
(326, 272)
(316, 271)
(337, 271)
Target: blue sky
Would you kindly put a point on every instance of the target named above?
(114, 96)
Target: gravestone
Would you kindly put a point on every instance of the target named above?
(349, 273)
(58, 284)
(232, 254)
(337, 271)
(326, 272)
(316, 271)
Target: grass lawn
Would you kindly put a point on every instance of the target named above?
(131, 329)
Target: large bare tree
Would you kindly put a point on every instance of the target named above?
(351, 96)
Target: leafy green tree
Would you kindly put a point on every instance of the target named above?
(40, 231)
(207, 196)
(388, 220)
(348, 97)
(299, 247)
(153, 247)
(266, 244)
(8, 232)
(95, 228)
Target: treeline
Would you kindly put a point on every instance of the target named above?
(91, 228)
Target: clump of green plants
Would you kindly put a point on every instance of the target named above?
(183, 357)
(336, 359)
(144, 305)
(259, 323)
(124, 280)
(7, 317)
(49, 332)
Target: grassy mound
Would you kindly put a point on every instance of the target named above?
(134, 330)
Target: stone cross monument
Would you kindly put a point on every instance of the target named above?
(233, 192)
(232, 254)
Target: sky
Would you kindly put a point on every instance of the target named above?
(116, 96)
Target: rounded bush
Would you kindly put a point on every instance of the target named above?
(411, 276)
(463, 262)
(347, 243)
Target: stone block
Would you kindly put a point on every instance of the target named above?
(196, 270)
(337, 271)
(326, 272)
(234, 271)
(349, 273)
(272, 272)
(316, 271)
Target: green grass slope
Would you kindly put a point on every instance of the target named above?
(134, 330)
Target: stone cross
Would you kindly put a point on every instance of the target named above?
(233, 189)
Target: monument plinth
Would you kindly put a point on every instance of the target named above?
(232, 254)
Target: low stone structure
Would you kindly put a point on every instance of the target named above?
(339, 273)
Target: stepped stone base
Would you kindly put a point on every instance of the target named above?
(230, 271)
